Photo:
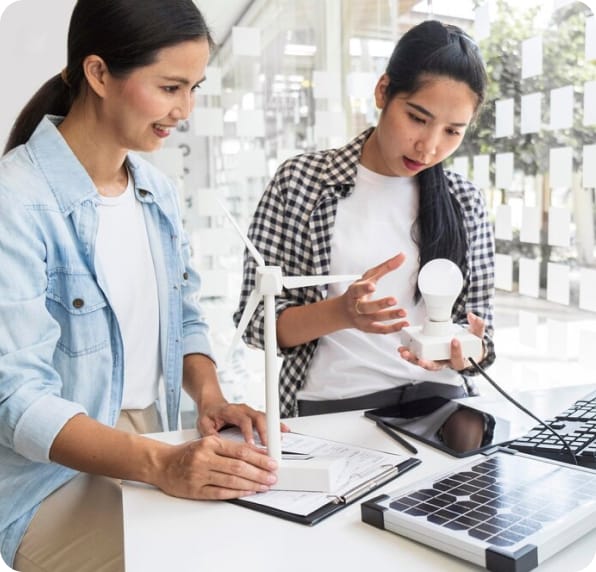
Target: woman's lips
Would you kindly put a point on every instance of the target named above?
(413, 165)
(161, 130)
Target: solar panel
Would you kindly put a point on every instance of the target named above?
(506, 512)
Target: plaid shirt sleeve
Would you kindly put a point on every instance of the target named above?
(291, 228)
(478, 292)
(269, 232)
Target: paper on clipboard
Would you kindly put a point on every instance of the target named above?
(365, 470)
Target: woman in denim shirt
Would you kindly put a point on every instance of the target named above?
(98, 299)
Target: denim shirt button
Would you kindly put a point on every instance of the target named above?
(78, 303)
(143, 193)
(185, 276)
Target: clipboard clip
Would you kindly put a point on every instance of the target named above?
(293, 456)
(376, 481)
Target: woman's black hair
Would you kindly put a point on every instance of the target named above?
(126, 34)
(424, 52)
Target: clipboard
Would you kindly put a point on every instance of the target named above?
(366, 470)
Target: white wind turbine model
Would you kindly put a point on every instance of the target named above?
(308, 473)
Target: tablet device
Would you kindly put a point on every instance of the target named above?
(448, 424)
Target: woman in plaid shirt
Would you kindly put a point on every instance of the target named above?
(383, 196)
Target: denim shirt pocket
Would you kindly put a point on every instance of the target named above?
(77, 303)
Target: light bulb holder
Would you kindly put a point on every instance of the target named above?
(434, 347)
(434, 328)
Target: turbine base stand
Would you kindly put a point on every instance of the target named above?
(321, 474)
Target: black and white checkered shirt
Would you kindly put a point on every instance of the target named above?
(292, 228)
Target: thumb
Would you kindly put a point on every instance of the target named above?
(206, 426)
(476, 324)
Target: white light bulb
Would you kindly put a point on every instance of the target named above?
(440, 281)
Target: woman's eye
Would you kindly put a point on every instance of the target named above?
(170, 88)
(416, 119)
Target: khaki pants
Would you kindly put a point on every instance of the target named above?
(79, 527)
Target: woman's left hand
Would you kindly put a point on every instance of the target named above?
(213, 417)
(457, 360)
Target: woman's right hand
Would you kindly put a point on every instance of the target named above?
(212, 468)
(370, 315)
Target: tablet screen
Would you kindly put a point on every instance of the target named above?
(447, 424)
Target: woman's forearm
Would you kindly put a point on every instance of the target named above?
(302, 324)
(86, 445)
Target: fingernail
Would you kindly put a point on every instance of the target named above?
(271, 479)
(272, 465)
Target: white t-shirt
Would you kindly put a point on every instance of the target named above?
(373, 224)
(125, 267)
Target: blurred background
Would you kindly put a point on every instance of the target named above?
(289, 76)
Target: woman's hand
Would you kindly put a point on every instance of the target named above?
(212, 468)
(369, 315)
(201, 383)
(215, 416)
(457, 360)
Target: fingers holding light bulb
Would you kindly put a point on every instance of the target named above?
(429, 365)
(457, 360)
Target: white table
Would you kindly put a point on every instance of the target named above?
(162, 533)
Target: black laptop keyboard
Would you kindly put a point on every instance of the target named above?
(500, 501)
(577, 425)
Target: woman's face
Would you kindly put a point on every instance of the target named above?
(141, 109)
(419, 130)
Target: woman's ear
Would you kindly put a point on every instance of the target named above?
(96, 73)
(381, 90)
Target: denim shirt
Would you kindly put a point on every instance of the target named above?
(60, 346)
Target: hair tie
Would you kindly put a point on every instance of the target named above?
(64, 76)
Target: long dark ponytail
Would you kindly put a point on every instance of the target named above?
(126, 34)
(436, 49)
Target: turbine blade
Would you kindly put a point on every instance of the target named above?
(251, 247)
(303, 281)
(249, 309)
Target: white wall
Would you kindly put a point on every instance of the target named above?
(33, 37)
(32, 49)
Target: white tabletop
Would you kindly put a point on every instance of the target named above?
(164, 533)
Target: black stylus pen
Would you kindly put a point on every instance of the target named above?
(396, 436)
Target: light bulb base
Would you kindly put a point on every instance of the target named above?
(443, 328)
(438, 347)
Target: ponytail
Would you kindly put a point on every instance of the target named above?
(433, 49)
(126, 34)
(53, 97)
(439, 231)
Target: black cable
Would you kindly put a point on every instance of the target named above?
(526, 411)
